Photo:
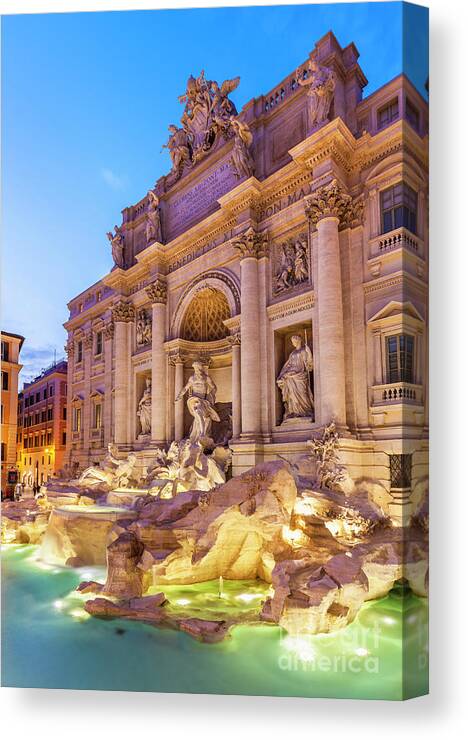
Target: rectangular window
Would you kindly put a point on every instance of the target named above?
(400, 471)
(3, 451)
(97, 416)
(1, 419)
(36, 440)
(398, 207)
(99, 343)
(5, 381)
(37, 418)
(64, 438)
(400, 359)
(79, 351)
(38, 397)
(49, 438)
(412, 115)
(50, 414)
(43, 415)
(25, 444)
(44, 395)
(387, 114)
(64, 413)
(77, 419)
(5, 351)
(51, 390)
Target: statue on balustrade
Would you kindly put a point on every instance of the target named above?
(144, 409)
(320, 84)
(118, 245)
(294, 383)
(201, 392)
(179, 149)
(153, 219)
(241, 160)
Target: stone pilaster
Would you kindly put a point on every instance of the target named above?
(327, 208)
(123, 314)
(252, 246)
(107, 417)
(178, 362)
(157, 293)
(87, 420)
(235, 342)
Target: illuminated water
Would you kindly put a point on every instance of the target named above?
(49, 641)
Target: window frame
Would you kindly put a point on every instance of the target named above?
(403, 210)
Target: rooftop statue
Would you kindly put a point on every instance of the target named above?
(153, 219)
(242, 161)
(118, 245)
(320, 84)
(207, 113)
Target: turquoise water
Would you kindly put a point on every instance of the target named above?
(49, 641)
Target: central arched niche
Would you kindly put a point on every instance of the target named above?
(204, 316)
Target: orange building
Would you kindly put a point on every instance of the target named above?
(11, 347)
(42, 420)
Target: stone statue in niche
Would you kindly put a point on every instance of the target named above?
(241, 160)
(320, 84)
(294, 266)
(144, 409)
(201, 392)
(153, 219)
(118, 246)
(294, 383)
(143, 328)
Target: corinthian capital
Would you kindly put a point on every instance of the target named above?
(123, 311)
(329, 200)
(252, 244)
(157, 291)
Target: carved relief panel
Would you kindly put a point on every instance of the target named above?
(291, 264)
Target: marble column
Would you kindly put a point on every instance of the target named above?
(251, 245)
(327, 208)
(235, 342)
(70, 350)
(122, 314)
(178, 405)
(157, 293)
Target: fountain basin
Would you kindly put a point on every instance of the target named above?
(125, 496)
(78, 535)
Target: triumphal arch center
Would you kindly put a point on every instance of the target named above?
(273, 281)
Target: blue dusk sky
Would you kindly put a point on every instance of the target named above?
(87, 99)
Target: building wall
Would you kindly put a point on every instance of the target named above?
(376, 283)
(42, 425)
(11, 347)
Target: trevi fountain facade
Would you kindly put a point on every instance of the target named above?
(247, 386)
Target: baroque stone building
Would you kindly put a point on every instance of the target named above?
(287, 251)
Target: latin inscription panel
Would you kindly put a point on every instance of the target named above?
(187, 208)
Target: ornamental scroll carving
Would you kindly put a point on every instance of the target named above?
(123, 311)
(332, 200)
(292, 264)
(252, 244)
(157, 291)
